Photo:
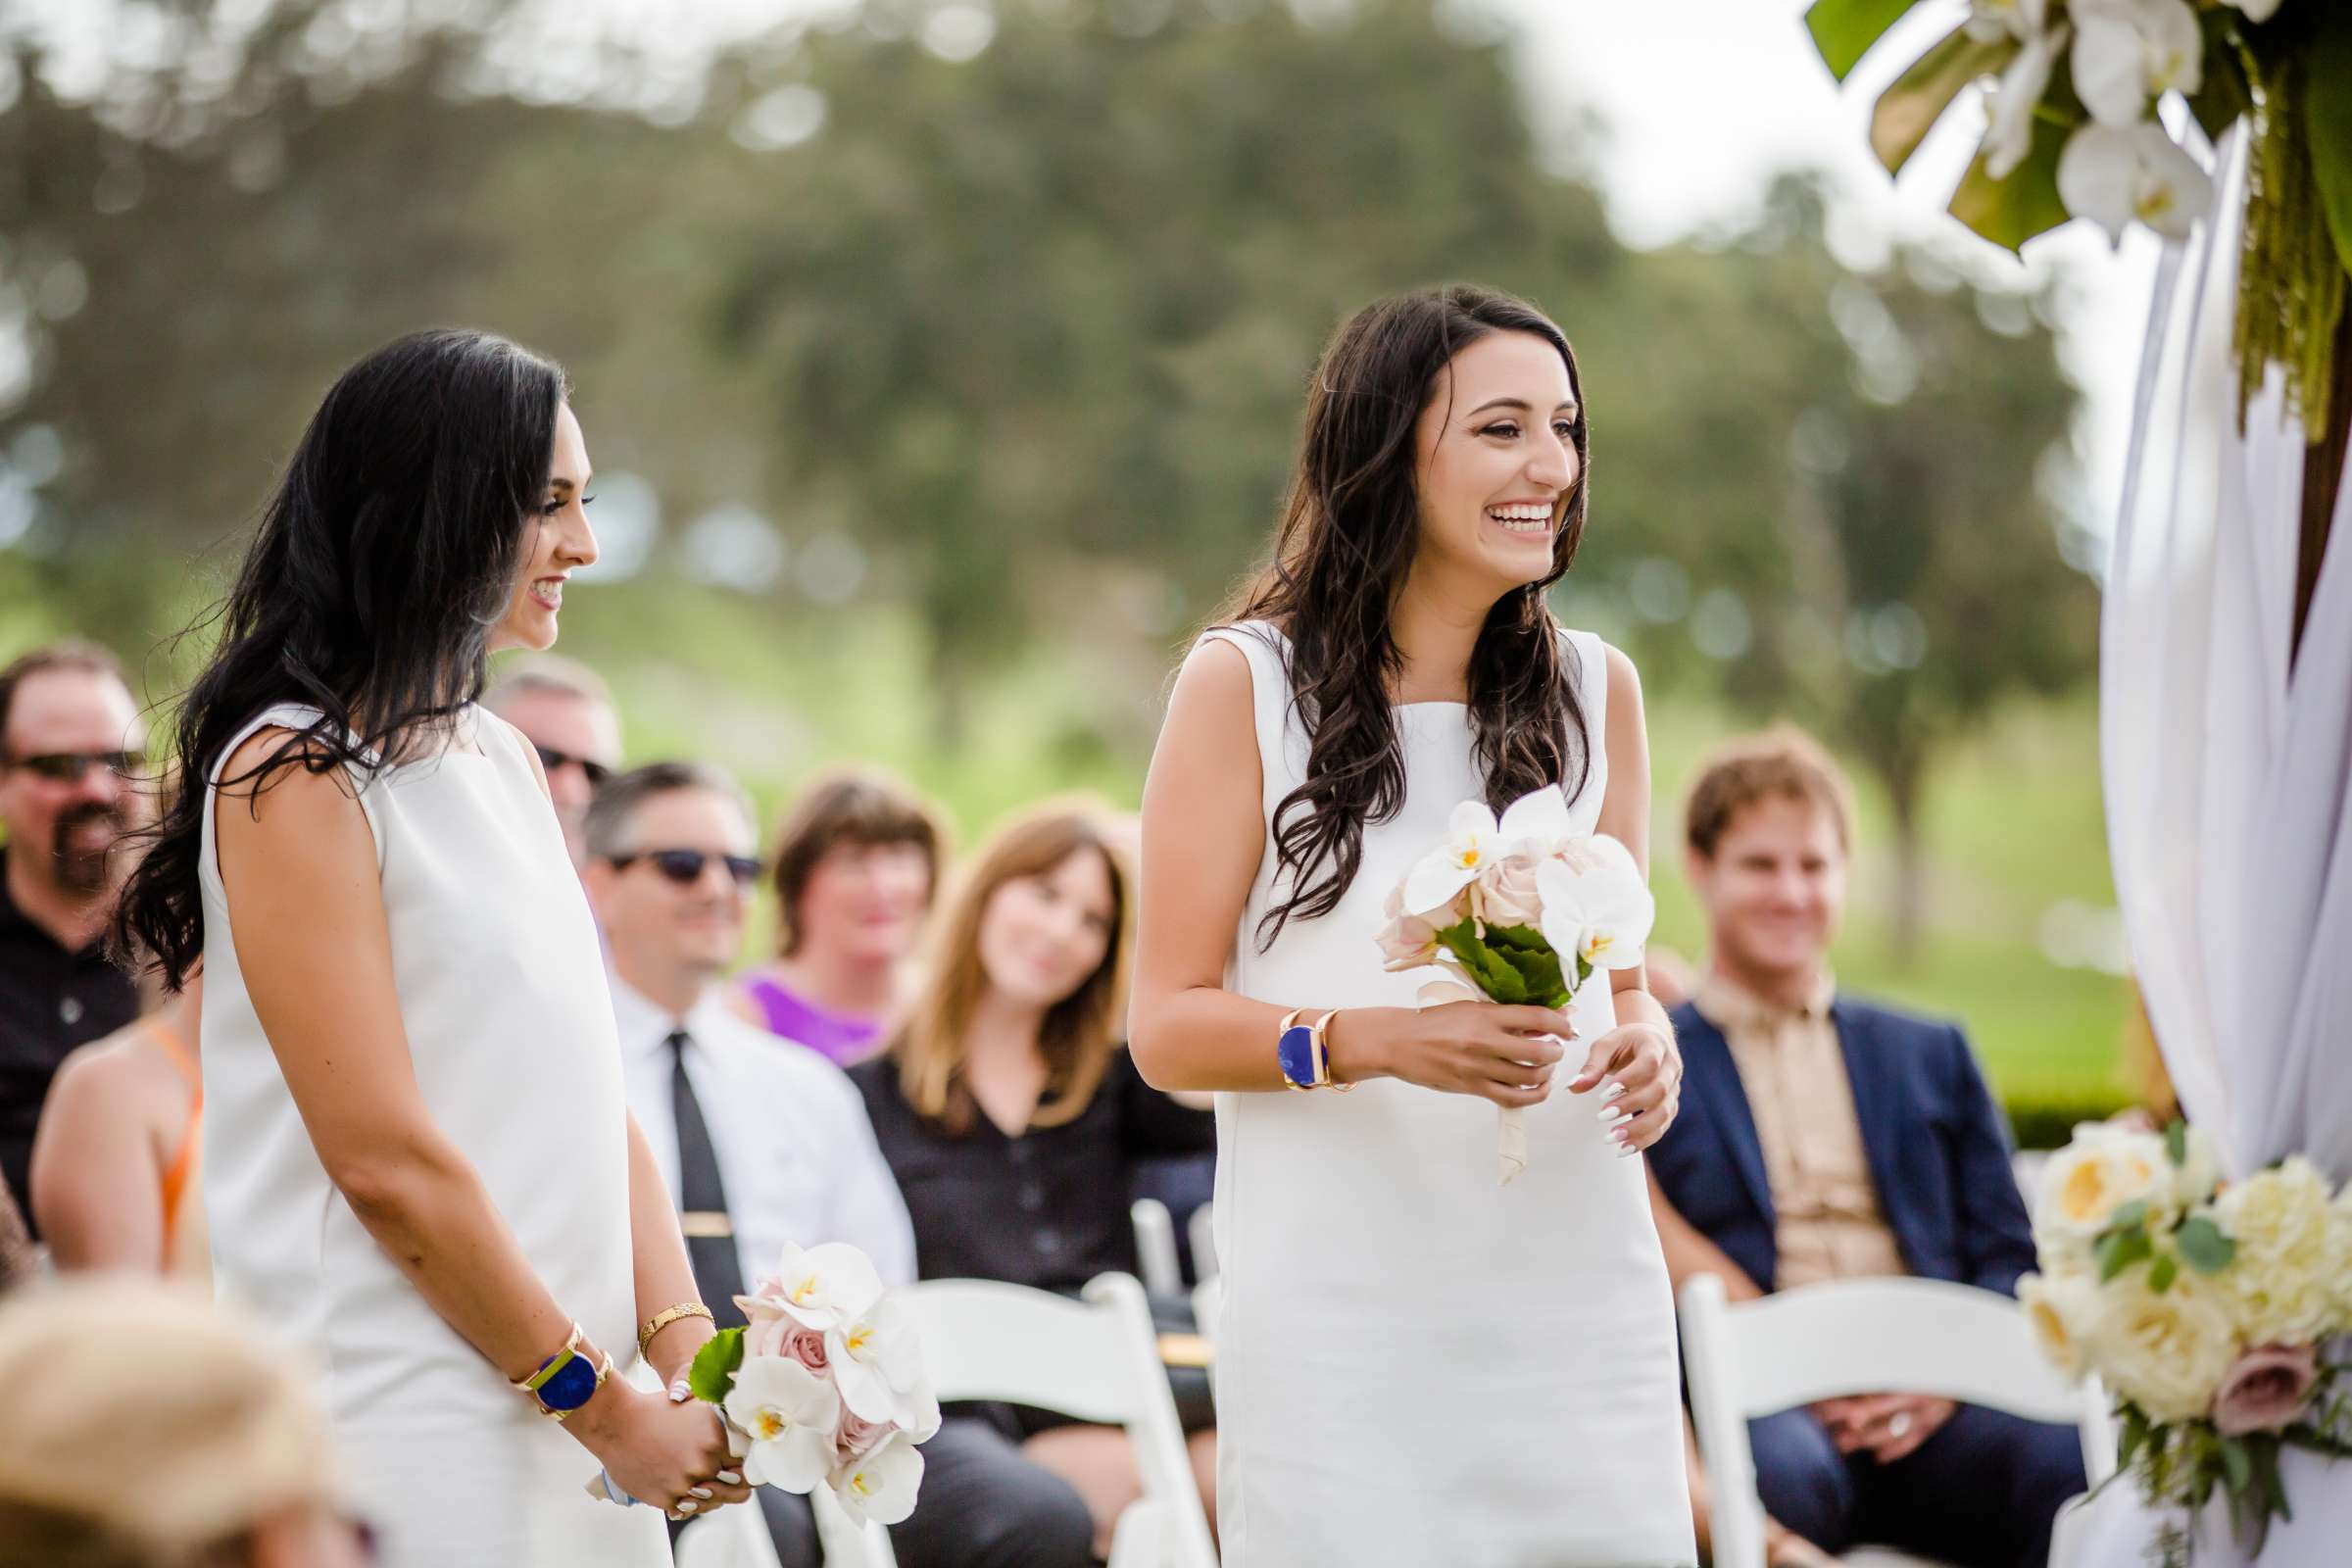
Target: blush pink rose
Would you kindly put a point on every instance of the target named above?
(1507, 892)
(808, 1347)
(859, 1436)
(2265, 1389)
(765, 1329)
(1407, 940)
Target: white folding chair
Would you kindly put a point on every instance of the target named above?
(1821, 1342)
(1201, 1230)
(1097, 1359)
(1155, 1247)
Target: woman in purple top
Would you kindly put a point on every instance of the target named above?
(856, 864)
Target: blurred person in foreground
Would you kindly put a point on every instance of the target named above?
(71, 749)
(564, 709)
(115, 1178)
(1825, 1138)
(761, 1146)
(1013, 1117)
(857, 861)
(145, 1430)
(17, 1260)
(419, 1165)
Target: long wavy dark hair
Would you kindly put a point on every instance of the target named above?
(384, 563)
(1347, 540)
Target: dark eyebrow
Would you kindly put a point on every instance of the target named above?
(1521, 403)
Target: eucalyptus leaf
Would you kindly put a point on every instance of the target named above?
(2010, 211)
(2327, 116)
(2203, 1245)
(2121, 1249)
(2237, 1464)
(2162, 1273)
(2176, 1143)
(711, 1378)
(1909, 109)
(2130, 1216)
(1844, 29)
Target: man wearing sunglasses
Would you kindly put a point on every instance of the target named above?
(567, 714)
(71, 752)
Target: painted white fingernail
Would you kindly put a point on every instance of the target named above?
(1611, 1093)
(1610, 1116)
(731, 1478)
(688, 1505)
(704, 1492)
(1627, 1152)
(679, 1392)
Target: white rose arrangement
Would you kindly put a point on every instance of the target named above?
(2205, 1307)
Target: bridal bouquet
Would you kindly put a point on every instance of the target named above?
(1519, 911)
(825, 1385)
(2205, 1307)
(2074, 132)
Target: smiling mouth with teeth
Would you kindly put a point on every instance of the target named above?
(550, 594)
(1527, 520)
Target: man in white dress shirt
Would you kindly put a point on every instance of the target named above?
(762, 1142)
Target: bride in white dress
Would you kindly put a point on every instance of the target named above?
(1414, 1365)
(418, 1165)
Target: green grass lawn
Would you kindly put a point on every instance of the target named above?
(2014, 822)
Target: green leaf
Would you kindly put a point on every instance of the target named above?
(2176, 1143)
(1525, 938)
(2130, 1216)
(1908, 110)
(2266, 1470)
(1844, 29)
(2203, 1245)
(2162, 1273)
(2133, 1434)
(1488, 970)
(2237, 1464)
(2327, 116)
(2119, 1249)
(2010, 211)
(711, 1378)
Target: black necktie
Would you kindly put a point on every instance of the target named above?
(703, 1198)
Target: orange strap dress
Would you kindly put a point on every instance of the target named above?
(184, 1249)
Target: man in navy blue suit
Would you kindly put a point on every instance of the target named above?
(1825, 1138)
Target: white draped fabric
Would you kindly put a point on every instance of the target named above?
(2229, 792)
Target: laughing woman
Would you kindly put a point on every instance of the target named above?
(418, 1166)
(1414, 1365)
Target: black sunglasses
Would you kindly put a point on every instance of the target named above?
(552, 760)
(71, 768)
(685, 866)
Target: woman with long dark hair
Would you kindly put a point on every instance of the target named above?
(418, 1166)
(1414, 1364)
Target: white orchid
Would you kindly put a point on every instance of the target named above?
(2014, 100)
(789, 1414)
(2112, 174)
(2255, 10)
(822, 1287)
(880, 1484)
(1473, 840)
(877, 1363)
(1989, 20)
(1597, 905)
(2129, 52)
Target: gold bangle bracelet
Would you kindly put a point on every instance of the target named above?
(664, 1318)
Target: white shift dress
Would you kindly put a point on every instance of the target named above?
(1414, 1365)
(504, 1002)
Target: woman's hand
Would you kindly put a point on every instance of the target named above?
(1645, 1070)
(1498, 1052)
(661, 1450)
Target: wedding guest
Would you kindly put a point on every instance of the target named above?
(70, 746)
(1823, 1138)
(564, 709)
(761, 1147)
(419, 1165)
(1012, 1116)
(856, 864)
(146, 1430)
(115, 1183)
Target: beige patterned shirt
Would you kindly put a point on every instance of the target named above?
(1828, 1223)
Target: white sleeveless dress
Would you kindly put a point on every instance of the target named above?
(1415, 1365)
(510, 1023)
